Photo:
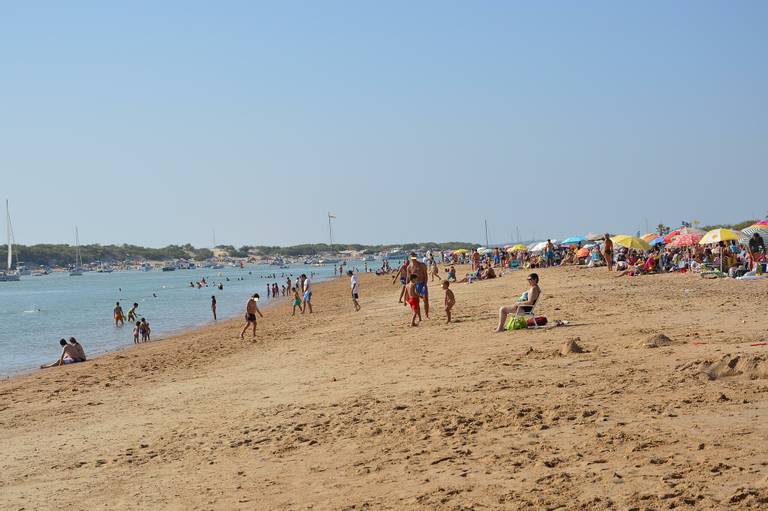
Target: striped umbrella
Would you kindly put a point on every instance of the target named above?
(686, 240)
(649, 237)
(760, 228)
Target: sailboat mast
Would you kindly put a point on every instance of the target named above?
(486, 233)
(8, 230)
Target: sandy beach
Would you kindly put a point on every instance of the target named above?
(345, 410)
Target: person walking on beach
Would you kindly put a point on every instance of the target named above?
(608, 251)
(402, 272)
(355, 290)
(450, 300)
(118, 313)
(296, 300)
(420, 270)
(251, 309)
(213, 306)
(412, 298)
(132, 313)
(307, 286)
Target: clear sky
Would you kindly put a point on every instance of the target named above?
(154, 122)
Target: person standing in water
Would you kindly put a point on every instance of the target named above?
(251, 309)
(132, 313)
(213, 306)
(118, 313)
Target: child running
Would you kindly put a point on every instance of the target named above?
(450, 300)
(412, 298)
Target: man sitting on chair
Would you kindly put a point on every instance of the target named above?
(524, 304)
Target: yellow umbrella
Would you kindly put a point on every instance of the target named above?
(460, 251)
(717, 235)
(649, 237)
(517, 248)
(631, 242)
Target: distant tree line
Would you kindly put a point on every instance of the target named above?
(63, 255)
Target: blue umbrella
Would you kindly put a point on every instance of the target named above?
(658, 241)
(573, 240)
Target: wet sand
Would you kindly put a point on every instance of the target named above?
(345, 410)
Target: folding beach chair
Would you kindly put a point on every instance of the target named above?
(531, 312)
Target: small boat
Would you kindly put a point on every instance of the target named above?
(169, 267)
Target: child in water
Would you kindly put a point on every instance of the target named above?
(136, 331)
(412, 298)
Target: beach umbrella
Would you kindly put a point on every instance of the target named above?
(657, 241)
(583, 252)
(686, 240)
(573, 240)
(717, 235)
(760, 228)
(538, 247)
(594, 236)
(631, 242)
(460, 251)
(517, 248)
(649, 237)
(669, 237)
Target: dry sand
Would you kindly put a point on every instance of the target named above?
(345, 410)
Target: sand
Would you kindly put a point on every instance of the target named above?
(345, 410)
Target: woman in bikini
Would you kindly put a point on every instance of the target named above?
(524, 304)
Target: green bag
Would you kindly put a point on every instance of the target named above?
(516, 323)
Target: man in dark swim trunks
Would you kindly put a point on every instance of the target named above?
(422, 272)
(403, 274)
(251, 309)
(608, 252)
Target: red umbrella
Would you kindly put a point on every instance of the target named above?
(671, 235)
(686, 240)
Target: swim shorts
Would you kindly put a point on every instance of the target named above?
(421, 288)
(250, 317)
(403, 280)
(354, 295)
(414, 303)
(308, 296)
(297, 301)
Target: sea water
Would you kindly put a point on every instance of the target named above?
(38, 311)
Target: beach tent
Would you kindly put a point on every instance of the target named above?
(631, 242)
(718, 235)
(573, 240)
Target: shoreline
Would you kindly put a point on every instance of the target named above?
(165, 335)
(343, 409)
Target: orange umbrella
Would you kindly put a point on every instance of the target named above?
(583, 252)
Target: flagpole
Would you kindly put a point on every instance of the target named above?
(330, 231)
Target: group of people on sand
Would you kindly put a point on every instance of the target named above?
(414, 289)
(302, 300)
(71, 353)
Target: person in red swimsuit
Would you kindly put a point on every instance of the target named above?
(412, 297)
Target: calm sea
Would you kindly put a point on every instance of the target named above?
(37, 311)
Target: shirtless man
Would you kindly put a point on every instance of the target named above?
(403, 274)
(118, 312)
(251, 309)
(69, 355)
(608, 252)
(420, 270)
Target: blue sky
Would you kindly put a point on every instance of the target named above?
(154, 122)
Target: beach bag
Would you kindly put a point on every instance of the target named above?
(516, 323)
(540, 321)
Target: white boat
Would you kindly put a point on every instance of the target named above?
(77, 271)
(9, 275)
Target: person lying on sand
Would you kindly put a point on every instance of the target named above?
(524, 304)
(69, 355)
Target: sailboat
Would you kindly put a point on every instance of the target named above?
(9, 275)
(77, 271)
